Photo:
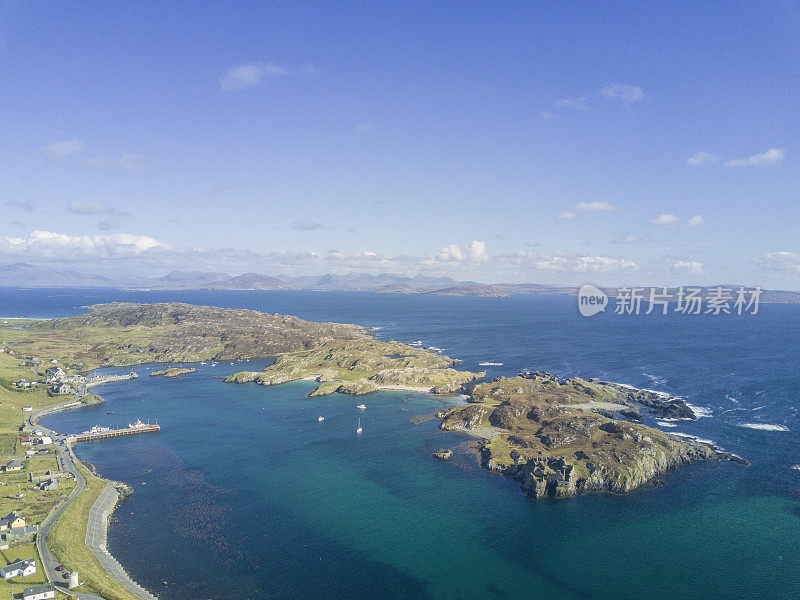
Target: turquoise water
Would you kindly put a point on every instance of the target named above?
(246, 495)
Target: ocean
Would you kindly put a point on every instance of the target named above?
(243, 494)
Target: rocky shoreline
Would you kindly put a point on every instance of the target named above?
(561, 437)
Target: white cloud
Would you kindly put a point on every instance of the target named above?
(780, 261)
(701, 158)
(770, 157)
(93, 207)
(47, 244)
(309, 69)
(576, 103)
(567, 214)
(475, 252)
(591, 206)
(547, 115)
(126, 162)
(249, 75)
(666, 220)
(691, 267)
(58, 150)
(626, 239)
(695, 221)
(583, 263)
(306, 225)
(670, 220)
(625, 93)
(365, 127)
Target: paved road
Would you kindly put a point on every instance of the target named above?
(98, 516)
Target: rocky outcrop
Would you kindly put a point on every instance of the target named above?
(443, 454)
(549, 435)
(363, 366)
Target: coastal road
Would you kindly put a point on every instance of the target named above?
(98, 516)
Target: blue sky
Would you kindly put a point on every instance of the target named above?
(625, 143)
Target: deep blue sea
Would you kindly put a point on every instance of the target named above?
(244, 494)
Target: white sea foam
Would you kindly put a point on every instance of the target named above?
(758, 408)
(694, 438)
(795, 467)
(490, 364)
(434, 349)
(665, 424)
(700, 411)
(732, 399)
(655, 378)
(764, 426)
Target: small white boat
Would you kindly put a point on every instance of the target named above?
(359, 430)
(202, 363)
(320, 419)
(362, 407)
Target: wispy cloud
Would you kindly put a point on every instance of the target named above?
(670, 220)
(780, 261)
(547, 115)
(93, 207)
(126, 162)
(364, 127)
(628, 94)
(306, 225)
(309, 69)
(249, 75)
(576, 103)
(586, 207)
(64, 148)
(701, 158)
(770, 157)
(595, 206)
(108, 224)
(626, 239)
(26, 205)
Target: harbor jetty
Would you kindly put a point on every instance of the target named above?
(99, 433)
(101, 379)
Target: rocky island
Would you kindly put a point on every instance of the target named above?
(557, 437)
(362, 366)
(560, 437)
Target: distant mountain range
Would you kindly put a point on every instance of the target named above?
(26, 275)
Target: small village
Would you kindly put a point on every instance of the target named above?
(34, 480)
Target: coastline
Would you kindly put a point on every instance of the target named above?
(90, 492)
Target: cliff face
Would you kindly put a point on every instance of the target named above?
(558, 438)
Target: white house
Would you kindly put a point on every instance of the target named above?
(45, 440)
(21, 567)
(39, 592)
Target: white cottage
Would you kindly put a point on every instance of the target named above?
(21, 567)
